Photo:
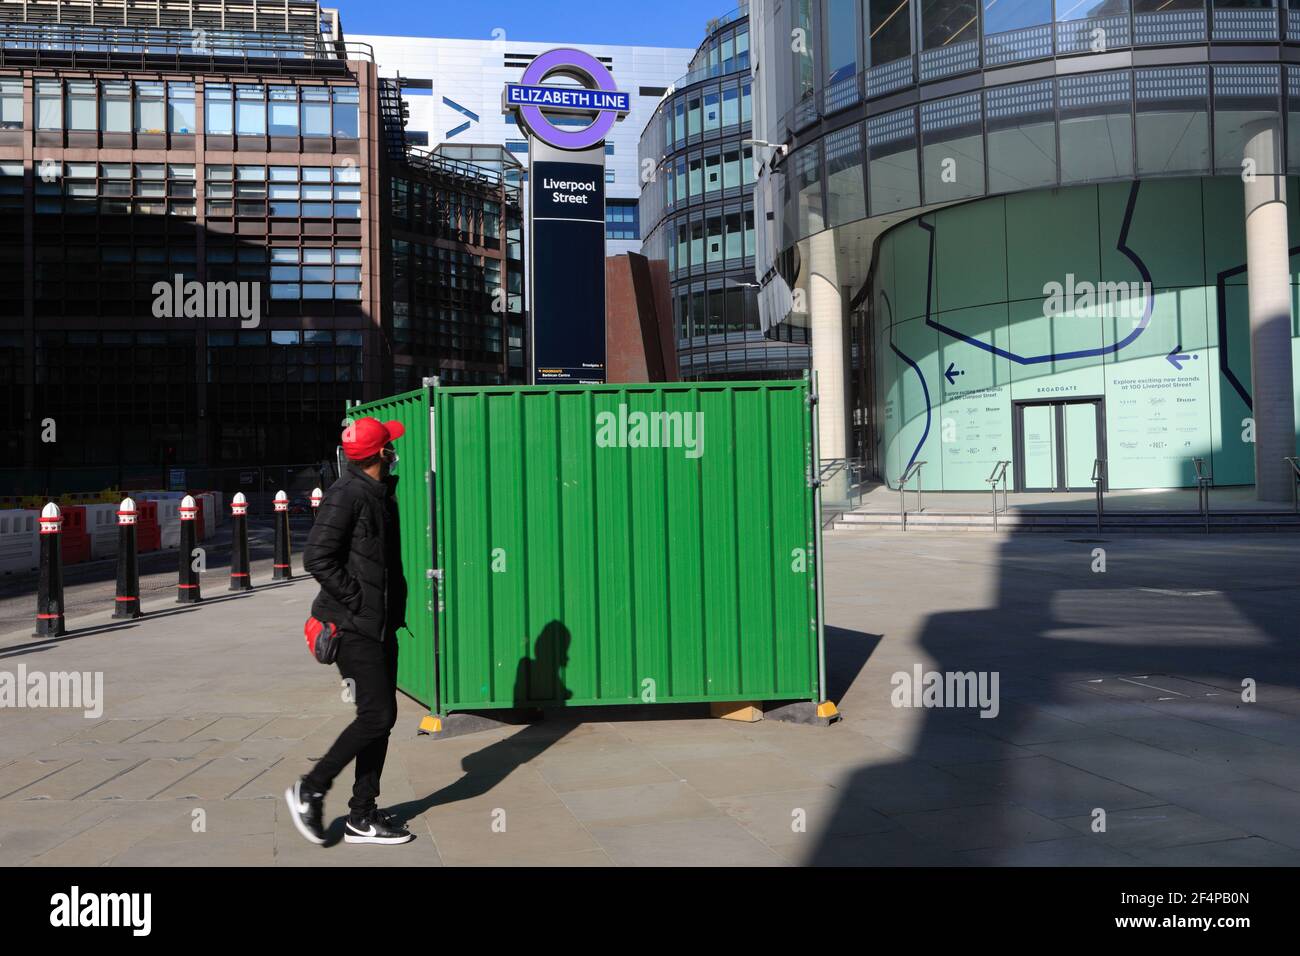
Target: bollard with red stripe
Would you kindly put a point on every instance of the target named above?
(281, 568)
(127, 604)
(187, 585)
(316, 498)
(49, 593)
(239, 570)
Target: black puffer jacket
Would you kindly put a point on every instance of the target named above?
(354, 553)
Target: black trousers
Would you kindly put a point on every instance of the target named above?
(372, 667)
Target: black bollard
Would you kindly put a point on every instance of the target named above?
(49, 594)
(239, 576)
(281, 569)
(187, 586)
(127, 604)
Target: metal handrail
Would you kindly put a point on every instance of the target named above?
(1203, 482)
(1295, 485)
(999, 474)
(913, 469)
(1099, 482)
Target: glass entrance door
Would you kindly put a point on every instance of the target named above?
(1039, 450)
(1057, 444)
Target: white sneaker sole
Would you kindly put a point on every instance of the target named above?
(297, 820)
(387, 841)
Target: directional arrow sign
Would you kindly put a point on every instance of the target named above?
(952, 373)
(1177, 357)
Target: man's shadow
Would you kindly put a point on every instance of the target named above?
(538, 682)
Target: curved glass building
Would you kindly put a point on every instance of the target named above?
(1048, 233)
(697, 213)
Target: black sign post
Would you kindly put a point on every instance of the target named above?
(566, 187)
(567, 190)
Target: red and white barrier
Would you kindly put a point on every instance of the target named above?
(19, 547)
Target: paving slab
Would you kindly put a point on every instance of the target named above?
(1118, 690)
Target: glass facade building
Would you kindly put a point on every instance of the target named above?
(1016, 218)
(697, 213)
(249, 149)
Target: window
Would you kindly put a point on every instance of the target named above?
(49, 104)
(315, 111)
(730, 106)
(803, 194)
(952, 148)
(1021, 122)
(150, 108)
(621, 220)
(1096, 126)
(946, 22)
(889, 30)
(250, 111)
(712, 114)
(346, 100)
(841, 28)
(282, 110)
(714, 238)
(115, 107)
(846, 198)
(731, 167)
(11, 104)
(712, 172)
(180, 107)
(81, 105)
(734, 245)
(1246, 118)
(218, 110)
(804, 83)
(891, 162)
(1003, 15)
(1173, 124)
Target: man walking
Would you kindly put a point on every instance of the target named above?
(354, 553)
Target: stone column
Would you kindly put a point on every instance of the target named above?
(1268, 276)
(826, 322)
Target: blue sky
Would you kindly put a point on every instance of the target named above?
(677, 23)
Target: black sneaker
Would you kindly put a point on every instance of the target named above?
(305, 809)
(376, 826)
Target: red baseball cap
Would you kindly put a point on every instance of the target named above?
(366, 436)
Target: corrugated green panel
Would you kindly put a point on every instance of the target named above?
(583, 567)
(415, 662)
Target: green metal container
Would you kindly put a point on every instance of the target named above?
(610, 544)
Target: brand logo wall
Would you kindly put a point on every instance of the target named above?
(529, 98)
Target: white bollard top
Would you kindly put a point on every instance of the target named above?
(126, 512)
(316, 497)
(281, 501)
(51, 519)
(189, 507)
(239, 504)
